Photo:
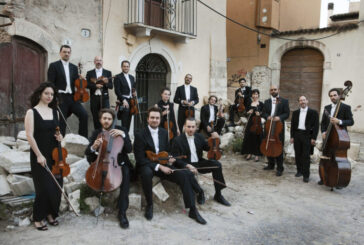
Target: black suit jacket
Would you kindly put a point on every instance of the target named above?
(247, 94)
(282, 109)
(344, 114)
(181, 95)
(311, 123)
(144, 142)
(122, 87)
(57, 75)
(181, 147)
(205, 115)
(122, 156)
(92, 86)
(172, 117)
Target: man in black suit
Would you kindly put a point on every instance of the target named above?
(63, 74)
(192, 145)
(344, 116)
(98, 89)
(276, 108)
(211, 121)
(107, 116)
(124, 84)
(187, 97)
(243, 92)
(304, 130)
(155, 139)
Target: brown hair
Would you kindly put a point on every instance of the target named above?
(154, 109)
(107, 110)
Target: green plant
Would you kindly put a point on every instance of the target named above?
(236, 144)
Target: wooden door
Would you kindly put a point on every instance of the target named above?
(301, 74)
(23, 65)
(154, 13)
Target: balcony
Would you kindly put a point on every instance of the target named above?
(174, 18)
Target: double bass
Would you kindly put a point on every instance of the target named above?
(81, 93)
(335, 168)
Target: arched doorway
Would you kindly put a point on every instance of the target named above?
(23, 67)
(151, 77)
(301, 74)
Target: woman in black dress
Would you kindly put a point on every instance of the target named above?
(167, 108)
(40, 124)
(252, 140)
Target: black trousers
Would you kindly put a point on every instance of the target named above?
(96, 106)
(220, 122)
(276, 160)
(125, 116)
(184, 179)
(302, 149)
(232, 110)
(216, 172)
(69, 106)
(123, 202)
(182, 116)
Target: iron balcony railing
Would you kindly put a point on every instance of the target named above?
(173, 15)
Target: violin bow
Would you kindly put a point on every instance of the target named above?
(64, 119)
(219, 182)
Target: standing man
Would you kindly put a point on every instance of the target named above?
(107, 116)
(98, 89)
(243, 92)
(124, 84)
(192, 145)
(186, 96)
(304, 130)
(276, 108)
(63, 74)
(211, 120)
(344, 116)
(155, 139)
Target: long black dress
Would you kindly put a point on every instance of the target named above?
(47, 194)
(172, 117)
(251, 143)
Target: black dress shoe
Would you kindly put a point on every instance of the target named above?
(305, 179)
(196, 216)
(279, 173)
(124, 222)
(320, 182)
(222, 200)
(298, 174)
(201, 198)
(149, 212)
(268, 168)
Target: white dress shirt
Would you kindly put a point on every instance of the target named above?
(191, 143)
(154, 133)
(332, 112)
(66, 68)
(212, 113)
(242, 90)
(129, 84)
(274, 101)
(98, 74)
(302, 118)
(188, 92)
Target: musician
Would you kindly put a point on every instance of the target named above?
(186, 96)
(211, 121)
(277, 108)
(167, 108)
(63, 74)
(304, 130)
(155, 139)
(106, 117)
(243, 92)
(192, 145)
(252, 140)
(99, 92)
(344, 117)
(124, 84)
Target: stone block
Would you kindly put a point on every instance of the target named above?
(290, 155)
(78, 170)
(135, 201)
(24, 222)
(75, 144)
(71, 158)
(22, 135)
(74, 198)
(64, 205)
(4, 186)
(226, 139)
(15, 161)
(71, 187)
(92, 202)
(22, 145)
(155, 180)
(20, 185)
(8, 141)
(4, 148)
(354, 150)
(160, 192)
(239, 129)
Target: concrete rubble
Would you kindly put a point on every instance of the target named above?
(78, 170)
(4, 186)
(75, 144)
(20, 185)
(15, 161)
(74, 198)
(4, 148)
(226, 139)
(92, 202)
(160, 192)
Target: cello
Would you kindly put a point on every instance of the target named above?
(271, 145)
(335, 168)
(81, 93)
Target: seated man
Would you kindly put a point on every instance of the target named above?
(212, 119)
(192, 145)
(107, 116)
(155, 139)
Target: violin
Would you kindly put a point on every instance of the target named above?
(189, 112)
(256, 125)
(100, 80)
(59, 155)
(214, 153)
(271, 145)
(162, 157)
(168, 124)
(81, 93)
(335, 168)
(241, 106)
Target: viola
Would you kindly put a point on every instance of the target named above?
(59, 155)
(241, 106)
(189, 112)
(214, 152)
(335, 168)
(271, 145)
(81, 93)
(162, 157)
